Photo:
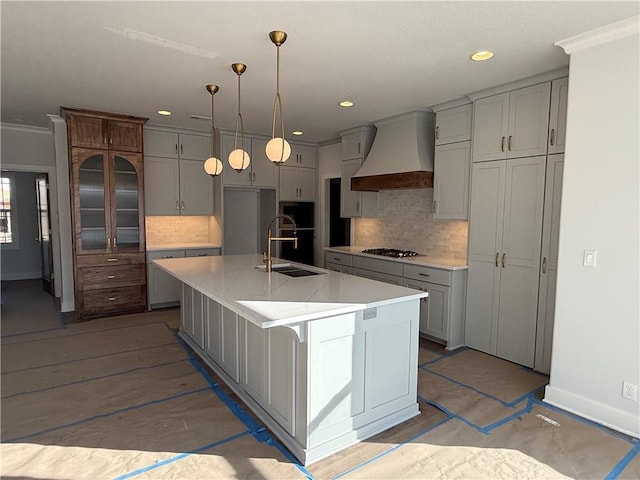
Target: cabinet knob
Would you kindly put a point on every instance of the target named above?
(424, 274)
(502, 145)
(497, 257)
(553, 135)
(435, 206)
(509, 143)
(437, 133)
(544, 265)
(111, 299)
(176, 147)
(504, 255)
(112, 259)
(182, 205)
(111, 277)
(177, 205)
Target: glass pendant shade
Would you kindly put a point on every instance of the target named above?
(213, 166)
(278, 150)
(239, 159)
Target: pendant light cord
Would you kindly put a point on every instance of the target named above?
(241, 124)
(277, 102)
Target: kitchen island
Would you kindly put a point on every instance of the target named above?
(325, 360)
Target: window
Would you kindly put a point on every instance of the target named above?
(7, 210)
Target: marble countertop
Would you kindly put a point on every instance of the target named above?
(180, 246)
(444, 263)
(272, 299)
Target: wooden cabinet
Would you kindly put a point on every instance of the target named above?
(107, 197)
(452, 165)
(549, 263)
(297, 184)
(261, 172)
(356, 144)
(505, 227)
(175, 180)
(512, 124)
(454, 125)
(558, 115)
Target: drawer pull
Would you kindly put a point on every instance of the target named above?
(111, 299)
(424, 274)
(167, 256)
(112, 259)
(203, 254)
(111, 276)
(337, 259)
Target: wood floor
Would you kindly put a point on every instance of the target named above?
(122, 397)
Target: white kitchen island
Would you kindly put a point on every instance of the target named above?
(325, 361)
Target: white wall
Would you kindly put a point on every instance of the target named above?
(27, 145)
(597, 318)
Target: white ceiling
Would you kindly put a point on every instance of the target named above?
(388, 57)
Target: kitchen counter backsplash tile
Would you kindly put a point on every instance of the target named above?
(177, 229)
(405, 222)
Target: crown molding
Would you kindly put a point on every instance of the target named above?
(598, 36)
(525, 82)
(26, 128)
(458, 102)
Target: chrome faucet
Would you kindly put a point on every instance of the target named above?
(266, 259)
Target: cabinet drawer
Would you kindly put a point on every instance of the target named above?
(111, 300)
(338, 258)
(336, 267)
(202, 252)
(382, 266)
(164, 254)
(91, 278)
(113, 259)
(379, 276)
(427, 274)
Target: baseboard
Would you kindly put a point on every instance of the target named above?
(21, 275)
(606, 415)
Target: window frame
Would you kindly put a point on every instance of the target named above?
(15, 240)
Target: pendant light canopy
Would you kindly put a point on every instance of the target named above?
(278, 149)
(239, 158)
(213, 165)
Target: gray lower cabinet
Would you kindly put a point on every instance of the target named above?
(338, 262)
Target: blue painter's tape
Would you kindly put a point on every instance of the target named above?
(586, 421)
(457, 351)
(525, 396)
(92, 379)
(180, 456)
(86, 358)
(393, 449)
(104, 415)
(526, 409)
(450, 414)
(622, 464)
(32, 332)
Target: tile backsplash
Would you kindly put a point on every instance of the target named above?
(405, 222)
(181, 229)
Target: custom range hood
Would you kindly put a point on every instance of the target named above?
(401, 155)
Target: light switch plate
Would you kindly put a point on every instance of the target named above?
(590, 258)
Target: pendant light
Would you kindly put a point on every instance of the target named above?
(278, 149)
(239, 158)
(213, 165)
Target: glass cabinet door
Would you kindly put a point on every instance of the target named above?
(92, 230)
(126, 204)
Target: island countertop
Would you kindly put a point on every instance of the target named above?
(273, 299)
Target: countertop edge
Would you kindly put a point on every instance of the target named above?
(180, 246)
(354, 250)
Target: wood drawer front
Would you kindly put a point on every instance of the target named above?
(112, 260)
(382, 266)
(202, 252)
(91, 278)
(112, 300)
(427, 274)
(338, 258)
(159, 254)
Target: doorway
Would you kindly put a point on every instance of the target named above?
(339, 228)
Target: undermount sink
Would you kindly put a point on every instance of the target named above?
(290, 270)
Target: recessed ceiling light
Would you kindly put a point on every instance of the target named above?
(346, 103)
(164, 112)
(297, 132)
(482, 55)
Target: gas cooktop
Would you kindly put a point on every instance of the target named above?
(391, 252)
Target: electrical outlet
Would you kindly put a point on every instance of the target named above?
(630, 391)
(370, 313)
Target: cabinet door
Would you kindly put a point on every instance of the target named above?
(453, 125)
(87, 132)
(186, 310)
(307, 184)
(280, 361)
(127, 202)
(549, 265)
(520, 261)
(451, 181)
(161, 186)
(528, 121)
(263, 171)
(352, 146)
(124, 136)
(229, 175)
(158, 143)
(490, 126)
(485, 246)
(194, 147)
(196, 189)
(91, 200)
(253, 373)
(199, 305)
(289, 183)
(303, 155)
(213, 342)
(229, 348)
(349, 200)
(558, 115)
(163, 287)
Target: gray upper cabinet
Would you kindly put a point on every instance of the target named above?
(558, 115)
(356, 144)
(303, 155)
(261, 171)
(454, 125)
(451, 181)
(512, 124)
(175, 180)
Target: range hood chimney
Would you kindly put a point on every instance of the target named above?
(401, 155)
